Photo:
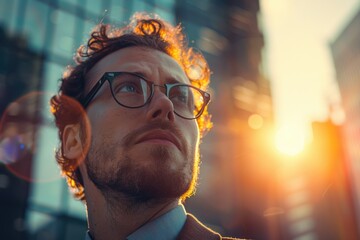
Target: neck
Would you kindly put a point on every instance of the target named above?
(114, 214)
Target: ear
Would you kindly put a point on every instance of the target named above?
(71, 140)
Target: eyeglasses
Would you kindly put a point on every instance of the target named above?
(131, 90)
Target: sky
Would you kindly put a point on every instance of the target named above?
(298, 59)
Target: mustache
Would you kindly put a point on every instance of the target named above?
(131, 137)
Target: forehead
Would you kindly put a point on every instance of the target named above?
(137, 59)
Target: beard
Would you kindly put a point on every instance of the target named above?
(160, 174)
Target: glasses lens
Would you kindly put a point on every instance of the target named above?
(188, 101)
(130, 90)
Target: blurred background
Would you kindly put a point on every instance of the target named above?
(282, 161)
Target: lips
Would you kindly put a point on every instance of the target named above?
(160, 135)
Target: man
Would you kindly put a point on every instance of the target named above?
(134, 156)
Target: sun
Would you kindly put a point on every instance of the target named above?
(290, 140)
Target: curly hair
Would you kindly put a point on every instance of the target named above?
(143, 30)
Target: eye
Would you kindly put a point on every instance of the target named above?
(128, 87)
(181, 98)
(180, 94)
(126, 83)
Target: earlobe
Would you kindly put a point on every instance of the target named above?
(71, 140)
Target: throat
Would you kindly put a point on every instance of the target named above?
(124, 217)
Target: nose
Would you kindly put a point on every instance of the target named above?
(160, 107)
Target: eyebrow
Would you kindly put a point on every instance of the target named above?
(168, 80)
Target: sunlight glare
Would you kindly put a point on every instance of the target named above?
(290, 140)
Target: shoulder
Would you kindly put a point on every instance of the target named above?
(194, 229)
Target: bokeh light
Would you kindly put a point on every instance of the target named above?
(255, 121)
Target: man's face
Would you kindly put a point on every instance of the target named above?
(146, 152)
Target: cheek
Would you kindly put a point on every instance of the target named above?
(196, 130)
(194, 134)
(108, 121)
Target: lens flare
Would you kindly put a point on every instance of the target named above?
(28, 137)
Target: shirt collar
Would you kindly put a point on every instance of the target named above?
(87, 235)
(167, 226)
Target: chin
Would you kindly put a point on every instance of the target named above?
(166, 179)
(167, 174)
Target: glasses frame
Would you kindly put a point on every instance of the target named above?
(109, 76)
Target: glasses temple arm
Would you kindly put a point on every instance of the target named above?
(93, 92)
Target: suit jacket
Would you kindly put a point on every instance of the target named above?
(195, 230)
